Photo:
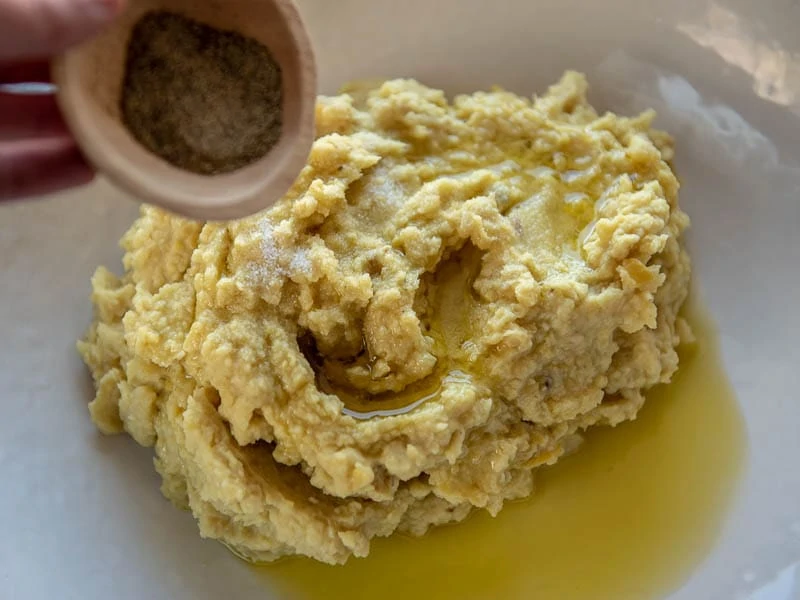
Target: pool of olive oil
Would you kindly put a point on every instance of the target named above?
(628, 517)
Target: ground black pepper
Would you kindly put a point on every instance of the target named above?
(205, 100)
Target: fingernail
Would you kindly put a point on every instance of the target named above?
(102, 10)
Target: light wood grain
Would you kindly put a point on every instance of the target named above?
(89, 79)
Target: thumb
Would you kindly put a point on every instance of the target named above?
(38, 29)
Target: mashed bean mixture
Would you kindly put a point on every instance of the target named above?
(447, 297)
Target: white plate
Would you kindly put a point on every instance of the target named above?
(81, 516)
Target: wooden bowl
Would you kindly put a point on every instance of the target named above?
(89, 80)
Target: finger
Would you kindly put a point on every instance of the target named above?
(30, 116)
(26, 72)
(41, 28)
(33, 168)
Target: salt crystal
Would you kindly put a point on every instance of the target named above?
(268, 248)
(270, 251)
(300, 262)
(385, 189)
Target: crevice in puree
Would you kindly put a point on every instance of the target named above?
(444, 305)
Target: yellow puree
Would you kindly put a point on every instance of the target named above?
(446, 298)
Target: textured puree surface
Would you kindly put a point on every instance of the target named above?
(449, 295)
(629, 517)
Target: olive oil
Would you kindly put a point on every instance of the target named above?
(627, 517)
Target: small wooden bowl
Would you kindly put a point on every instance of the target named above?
(89, 80)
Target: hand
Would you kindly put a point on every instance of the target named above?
(37, 153)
